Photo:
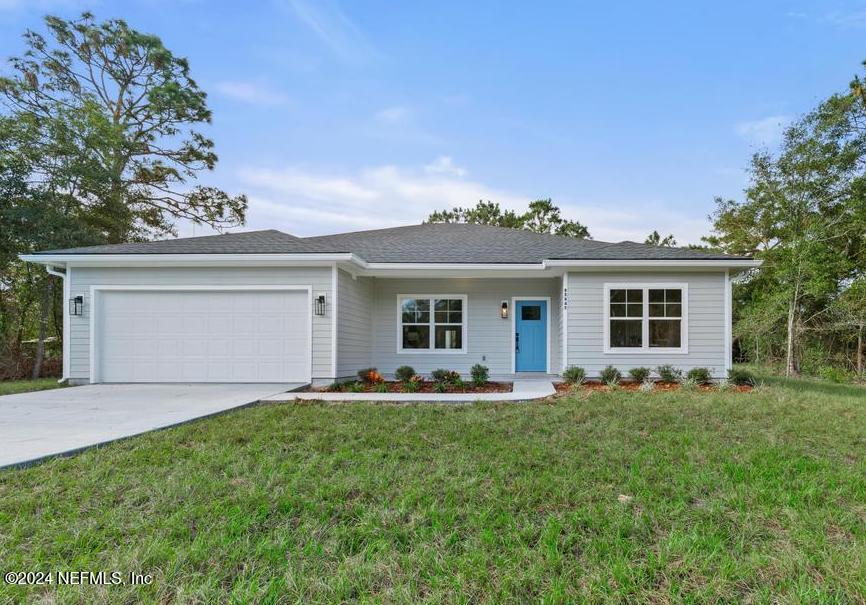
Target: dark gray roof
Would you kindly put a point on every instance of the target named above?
(426, 243)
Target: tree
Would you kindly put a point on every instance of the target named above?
(542, 216)
(654, 239)
(115, 115)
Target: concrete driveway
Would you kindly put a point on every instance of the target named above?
(44, 423)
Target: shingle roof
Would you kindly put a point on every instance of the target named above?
(426, 243)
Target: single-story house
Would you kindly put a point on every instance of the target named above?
(266, 306)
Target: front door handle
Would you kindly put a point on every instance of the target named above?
(517, 342)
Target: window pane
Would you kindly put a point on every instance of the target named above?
(416, 310)
(625, 333)
(416, 337)
(617, 296)
(664, 333)
(673, 296)
(531, 313)
(656, 309)
(634, 296)
(656, 296)
(635, 309)
(449, 337)
(674, 310)
(449, 310)
(617, 310)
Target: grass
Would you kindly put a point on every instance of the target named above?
(602, 497)
(10, 387)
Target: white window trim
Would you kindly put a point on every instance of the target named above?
(646, 349)
(432, 350)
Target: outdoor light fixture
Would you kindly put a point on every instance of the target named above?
(503, 311)
(76, 305)
(320, 305)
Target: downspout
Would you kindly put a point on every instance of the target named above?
(62, 275)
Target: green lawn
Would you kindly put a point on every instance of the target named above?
(10, 387)
(621, 497)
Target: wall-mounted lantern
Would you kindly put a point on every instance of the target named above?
(320, 305)
(503, 310)
(76, 305)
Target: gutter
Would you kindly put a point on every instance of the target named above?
(62, 275)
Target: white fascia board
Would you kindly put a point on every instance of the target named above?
(155, 260)
(656, 264)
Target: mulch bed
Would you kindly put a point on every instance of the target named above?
(661, 387)
(424, 387)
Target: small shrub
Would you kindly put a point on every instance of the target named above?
(411, 386)
(574, 375)
(725, 386)
(741, 377)
(404, 373)
(699, 375)
(335, 387)
(417, 378)
(689, 384)
(610, 376)
(669, 373)
(458, 383)
(356, 387)
(647, 385)
(440, 386)
(381, 387)
(834, 374)
(479, 374)
(443, 375)
(639, 374)
(370, 376)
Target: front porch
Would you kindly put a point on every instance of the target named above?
(513, 326)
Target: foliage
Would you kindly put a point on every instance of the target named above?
(480, 374)
(689, 384)
(370, 376)
(10, 387)
(647, 385)
(699, 375)
(542, 216)
(654, 239)
(411, 386)
(440, 386)
(768, 487)
(610, 376)
(639, 374)
(835, 374)
(804, 215)
(669, 373)
(381, 387)
(457, 382)
(574, 375)
(356, 387)
(741, 377)
(442, 375)
(404, 373)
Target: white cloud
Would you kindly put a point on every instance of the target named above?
(250, 92)
(394, 115)
(765, 132)
(331, 25)
(310, 202)
(444, 165)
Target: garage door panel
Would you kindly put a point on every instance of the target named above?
(193, 336)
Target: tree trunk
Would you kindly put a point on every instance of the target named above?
(44, 307)
(860, 349)
(790, 363)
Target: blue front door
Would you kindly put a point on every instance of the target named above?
(530, 336)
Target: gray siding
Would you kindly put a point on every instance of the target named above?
(706, 322)
(354, 323)
(85, 277)
(489, 336)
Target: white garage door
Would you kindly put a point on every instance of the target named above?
(202, 336)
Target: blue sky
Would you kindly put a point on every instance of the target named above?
(632, 116)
